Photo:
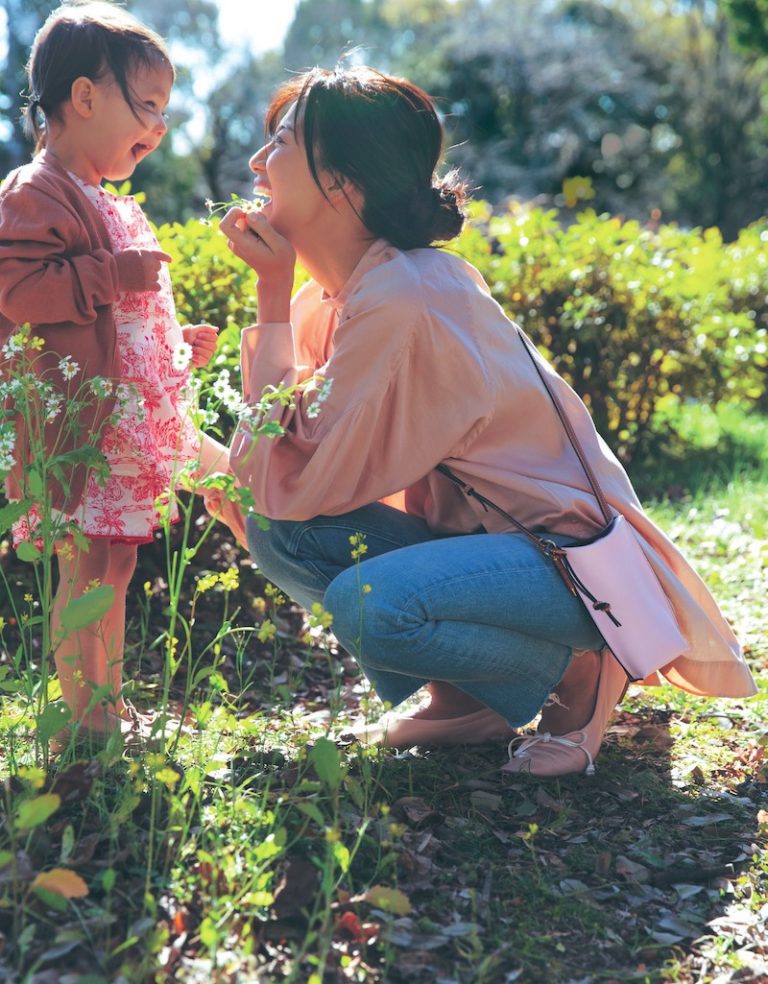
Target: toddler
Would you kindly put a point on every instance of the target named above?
(84, 268)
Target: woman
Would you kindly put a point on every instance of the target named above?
(403, 362)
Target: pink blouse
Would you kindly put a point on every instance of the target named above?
(413, 363)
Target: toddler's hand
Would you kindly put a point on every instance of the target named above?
(202, 339)
(139, 269)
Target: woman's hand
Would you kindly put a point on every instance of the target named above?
(221, 507)
(270, 255)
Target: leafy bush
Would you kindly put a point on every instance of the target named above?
(638, 320)
(634, 318)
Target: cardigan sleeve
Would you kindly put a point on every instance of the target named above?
(48, 272)
(398, 394)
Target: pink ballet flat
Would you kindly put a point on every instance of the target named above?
(557, 755)
(398, 731)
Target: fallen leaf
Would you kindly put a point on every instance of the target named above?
(483, 800)
(548, 802)
(707, 820)
(296, 889)
(672, 923)
(35, 811)
(415, 811)
(62, 882)
(603, 862)
(654, 733)
(460, 929)
(388, 899)
(631, 870)
(572, 886)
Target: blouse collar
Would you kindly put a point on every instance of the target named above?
(372, 257)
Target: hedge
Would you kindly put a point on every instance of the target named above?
(635, 318)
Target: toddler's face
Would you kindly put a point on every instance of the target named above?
(125, 138)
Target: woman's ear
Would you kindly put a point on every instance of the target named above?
(81, 96)
(339, 189)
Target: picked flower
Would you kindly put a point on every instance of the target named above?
(255, 204)
(182, 356)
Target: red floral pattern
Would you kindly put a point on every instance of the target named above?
(153, 436)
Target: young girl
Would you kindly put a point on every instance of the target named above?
(84, 268)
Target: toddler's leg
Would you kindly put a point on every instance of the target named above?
(92, 658)
(122, 565)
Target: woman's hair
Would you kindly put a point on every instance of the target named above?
(91, 39)
(381, 133)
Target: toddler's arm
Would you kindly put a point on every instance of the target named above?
(214, 457)
(44, 280)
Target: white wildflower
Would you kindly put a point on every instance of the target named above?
(101, 387)
(52, 408)
(232, 400)
(182, 356)
(7, 438)
(325, 391)
(222, 385)
(13, 345)
(193, 387)
(68, 368)
(322, 394)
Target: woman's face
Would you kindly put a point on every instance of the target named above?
(283, 174)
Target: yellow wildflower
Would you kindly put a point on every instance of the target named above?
(230, 580)
(206, 582)
(577, 189)
(267, 631)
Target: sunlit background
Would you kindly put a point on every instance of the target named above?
(660, 104)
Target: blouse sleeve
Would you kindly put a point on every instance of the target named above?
(399, 394)
(42, 280)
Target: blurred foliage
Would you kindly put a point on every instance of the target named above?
(639, 320)
(635, 319)
(750, 23)
(651, 99)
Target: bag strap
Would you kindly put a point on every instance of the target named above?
(545, 545)
(548, 547)
(570, 432)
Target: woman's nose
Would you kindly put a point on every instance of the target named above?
(256, 163)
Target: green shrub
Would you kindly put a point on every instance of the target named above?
(635, 319)
(638, 320)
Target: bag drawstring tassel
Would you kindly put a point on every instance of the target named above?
(599, 606)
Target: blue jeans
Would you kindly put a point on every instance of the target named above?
(485, 612)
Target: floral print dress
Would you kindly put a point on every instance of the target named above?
(152, 436)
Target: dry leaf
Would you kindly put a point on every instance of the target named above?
(415, 811)
(388, 899)
(631, 870)
(61, 881)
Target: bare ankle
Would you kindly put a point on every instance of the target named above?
(572, 704)
(447, 701)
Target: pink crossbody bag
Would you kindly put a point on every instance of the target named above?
(609, 572)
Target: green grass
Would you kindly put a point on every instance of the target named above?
(252, 848)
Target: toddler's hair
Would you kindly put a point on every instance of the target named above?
(91, 38)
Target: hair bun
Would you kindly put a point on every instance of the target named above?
(447, 198)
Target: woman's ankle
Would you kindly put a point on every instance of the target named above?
(572, 704)
(446, 702)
